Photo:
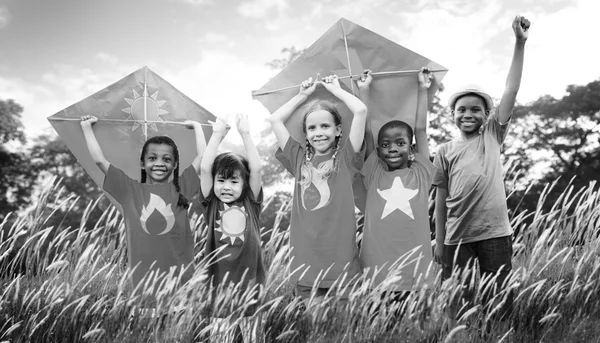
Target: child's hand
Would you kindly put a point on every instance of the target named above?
(308, 86)
(190, 124)
(331, 83)
(520, 26)
(88, 120)
(425, 78)
(365, 80)
(438, 254)
(220, 126)
(242, 123)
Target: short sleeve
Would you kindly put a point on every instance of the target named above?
(189, 182)
(494, 128)
(256, 201)
(354, 160)
(424, 167)
(440, 177)
(117, 183)
(369, 167)
(289, 156)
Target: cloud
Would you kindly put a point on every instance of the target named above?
(195, 3)
(5, 17)
(106, 58)
(261, 8)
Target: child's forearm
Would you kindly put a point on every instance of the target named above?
(440, 215)
(254, 162)
(286, 110)
(513, 82)
(354, 104)
(364, 95)
(210, 153)
(200, 146)
(422, 144)
(95, 149)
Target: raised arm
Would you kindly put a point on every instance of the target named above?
(200, 142)
(206, 176)
(243, 127)
(92, 143)
(364, 94)
(278, 118)
(520, 27)
(357, 107)
(440, 223)
(422, 144)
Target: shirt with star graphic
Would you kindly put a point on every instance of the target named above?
(233, 241)
(158, 231)
(396, 236)
(471, 171)
(323, 221)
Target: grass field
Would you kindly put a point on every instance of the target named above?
(72, 286)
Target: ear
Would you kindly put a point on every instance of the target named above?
(338, 130)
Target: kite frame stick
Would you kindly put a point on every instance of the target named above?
(380, 73)
(126, 121)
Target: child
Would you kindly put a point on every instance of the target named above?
(231, 191)
(323, 225)
(396, 231)
(471, 214)
(159, 237)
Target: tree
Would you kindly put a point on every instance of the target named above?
(16, 176)
(564, 134)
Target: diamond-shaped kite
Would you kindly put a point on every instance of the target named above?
(139, 106)
(346, 49)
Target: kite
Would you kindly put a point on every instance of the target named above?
(139, 106)
(347, 49)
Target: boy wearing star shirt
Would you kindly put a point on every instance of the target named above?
(396, 229)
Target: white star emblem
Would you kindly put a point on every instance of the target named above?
(397, 198)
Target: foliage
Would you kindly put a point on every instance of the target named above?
(73, 286)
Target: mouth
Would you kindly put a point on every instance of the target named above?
(394, 159)
(159, 171)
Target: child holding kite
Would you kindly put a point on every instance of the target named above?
(159, 238)
(231, 191)
(471, 215)
(323, 225)
(398, 177)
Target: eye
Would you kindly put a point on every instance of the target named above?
(151, 158)
(167, 159)
(384, 145)
(461, 110)
(476, 110)
(325, 126)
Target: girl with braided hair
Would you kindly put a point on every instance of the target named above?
(323, 225)
(159, 237)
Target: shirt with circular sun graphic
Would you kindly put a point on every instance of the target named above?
(158, 231)
(323, 223)
(234, 240)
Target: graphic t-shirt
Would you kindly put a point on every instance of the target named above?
(396, 230)
(158, 231)
(234, 240)
(323, 223)
(471, 171)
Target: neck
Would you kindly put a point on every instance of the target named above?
(464, 136)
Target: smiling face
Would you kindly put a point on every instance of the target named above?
(228, 190)
(158, 162)
(394, 147)
(321, 131)
(469, 115)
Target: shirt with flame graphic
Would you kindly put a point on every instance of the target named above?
(158, 231)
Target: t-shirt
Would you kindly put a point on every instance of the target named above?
(234, 240)
(471, 171)
(396, 227)
(323, 222)
(158, 231)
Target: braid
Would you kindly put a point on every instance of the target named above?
(143, 179)
(182, 201)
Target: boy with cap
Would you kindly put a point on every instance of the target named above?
(471, 214)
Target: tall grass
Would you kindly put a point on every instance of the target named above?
(72, 285)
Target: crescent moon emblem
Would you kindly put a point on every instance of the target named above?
(322, 187)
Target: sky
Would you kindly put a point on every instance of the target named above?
(54, 53)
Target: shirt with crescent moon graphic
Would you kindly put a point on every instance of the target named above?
(396, 230)
(234, 240)
(158, 231)
(323, 222)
